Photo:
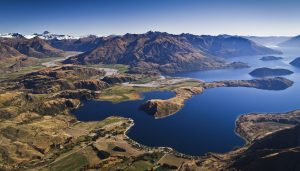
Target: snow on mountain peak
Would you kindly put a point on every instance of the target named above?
(11, 35)
(49, 36)
(45, 35)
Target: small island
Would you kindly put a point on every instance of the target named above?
(296, 62)
(268, 72)
(270, 58)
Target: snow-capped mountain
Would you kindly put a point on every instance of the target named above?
(11, 35)
(46, 35)
(49, 36)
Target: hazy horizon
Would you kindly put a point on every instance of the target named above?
(99, 35)
(118, 17)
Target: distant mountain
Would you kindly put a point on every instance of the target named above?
(269, 41)
(81, 44)
(62, 42)
(292, 42)
(11, 35)
(228, 46)
(168, 53)
(34, 47)
(46, 35)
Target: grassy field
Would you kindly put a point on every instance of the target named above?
(140, 165)
(23, 71)
(97, 124)
(120, 93)
(72, 162)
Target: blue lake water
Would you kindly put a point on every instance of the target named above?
(207, 121)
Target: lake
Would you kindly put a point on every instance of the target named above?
(207, 121)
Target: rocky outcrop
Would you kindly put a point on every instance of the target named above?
(276, 83)
(267, 72)
(91, 84)
(163, 108)
(296, 62)
(270, 58)
(118, 78)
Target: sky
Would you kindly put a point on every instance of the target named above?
(116, 17)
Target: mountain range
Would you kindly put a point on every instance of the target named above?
(46, 35)
(60, 41)
(149, 52)
(169, 53)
